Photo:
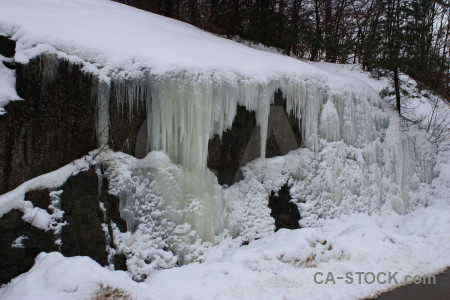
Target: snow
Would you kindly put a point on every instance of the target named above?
(38, 217)
(121, 37)
(277, 267)
(55, 277)
(7, 85)
(280, 266)
(18, 242)
(353, 71)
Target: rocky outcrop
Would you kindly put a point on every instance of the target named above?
(83, 235)
(126, 121)
(56, 123)
(80, 202)
(17, 258)
(52, 127)
(225, 154)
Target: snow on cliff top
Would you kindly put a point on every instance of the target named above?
(114, 37)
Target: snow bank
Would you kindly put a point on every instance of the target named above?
(281, 266)
(55, 277)
(7, 85)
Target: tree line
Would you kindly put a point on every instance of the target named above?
(399, 36)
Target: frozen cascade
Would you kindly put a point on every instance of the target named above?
(101, 94)
(185, 110)
(168, 210)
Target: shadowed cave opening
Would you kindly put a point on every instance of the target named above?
(284, 212)
(241, 144)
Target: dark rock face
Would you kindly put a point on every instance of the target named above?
(56, 123)
(80, 203)
(83, 235)
(284, 212)
(7, 46)
(285, 128)
(225, 155)
(52, 127)
(81, 199)
(126, 121)
(15, 261)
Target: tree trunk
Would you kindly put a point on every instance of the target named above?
(397, 90)
(316, 44)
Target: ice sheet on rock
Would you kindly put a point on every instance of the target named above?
(187, 109)
(357, 157)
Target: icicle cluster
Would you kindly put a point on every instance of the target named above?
(185, 110)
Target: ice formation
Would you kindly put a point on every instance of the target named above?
(355, 157)
(186, 110)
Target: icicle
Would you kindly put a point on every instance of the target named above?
(101, 94)
(49, 69)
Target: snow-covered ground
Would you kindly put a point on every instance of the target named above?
(285, 265)
(359, 170)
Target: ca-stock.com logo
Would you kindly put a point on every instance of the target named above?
(371, 278)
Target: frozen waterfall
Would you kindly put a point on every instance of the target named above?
(359, 158)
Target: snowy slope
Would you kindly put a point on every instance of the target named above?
(353, 71)
(115, 36)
